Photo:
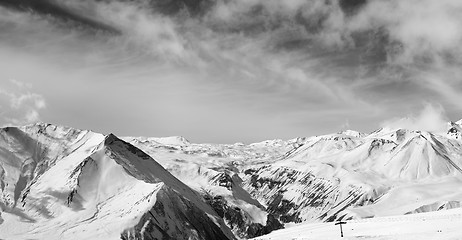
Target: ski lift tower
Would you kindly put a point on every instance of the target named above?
(340, 223)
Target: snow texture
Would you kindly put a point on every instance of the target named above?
(64, 183)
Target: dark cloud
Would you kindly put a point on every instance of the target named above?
(55, 10)
(252, 59)
(173, 7)
(351, 7)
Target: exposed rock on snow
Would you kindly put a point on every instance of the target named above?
(58, 182)
(94, 187)
(455, 130)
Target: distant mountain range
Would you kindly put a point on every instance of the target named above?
(63, 183)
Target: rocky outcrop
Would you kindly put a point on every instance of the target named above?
(95, 187)
(79, 180)
(238, 220)
(174, 217)
(295, 196)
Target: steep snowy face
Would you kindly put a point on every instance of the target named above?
(213, 171)
(96, 187)
(28, 152)
(330, 174)
(296, 196)
(419, 155)
(101, 187)
(319, 178)
(318, 147)
(179, 213)
(395, 155)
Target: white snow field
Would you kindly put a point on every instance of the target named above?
(64, 183)
(446, 224)
(91, 186)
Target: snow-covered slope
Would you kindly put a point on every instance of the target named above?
(213, 171)
(322, 178)
(161, 141)
(329, 175)
(90, 186)
(83, 184)
(432, 225)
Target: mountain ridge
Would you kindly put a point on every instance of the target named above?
(90, 186)
(78, 179)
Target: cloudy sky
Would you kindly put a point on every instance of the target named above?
(230, 70)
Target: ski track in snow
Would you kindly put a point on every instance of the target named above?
(374, 179)
(433, 225)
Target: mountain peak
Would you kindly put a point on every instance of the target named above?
(83, 175)
(352, 133)
(110, 138)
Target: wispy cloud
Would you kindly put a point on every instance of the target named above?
(18, 104)
(300, 61)
(423, 29)
(431, 118)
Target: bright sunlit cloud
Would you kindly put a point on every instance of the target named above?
(431, 118)
(226, 71)
(18, 104)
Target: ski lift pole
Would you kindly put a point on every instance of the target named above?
(340, 224)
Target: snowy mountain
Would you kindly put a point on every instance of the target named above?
(389, 173)
(431, 225)
(62, 183)
(59, 182)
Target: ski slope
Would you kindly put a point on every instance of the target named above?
(63, 183)
(446, 224)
